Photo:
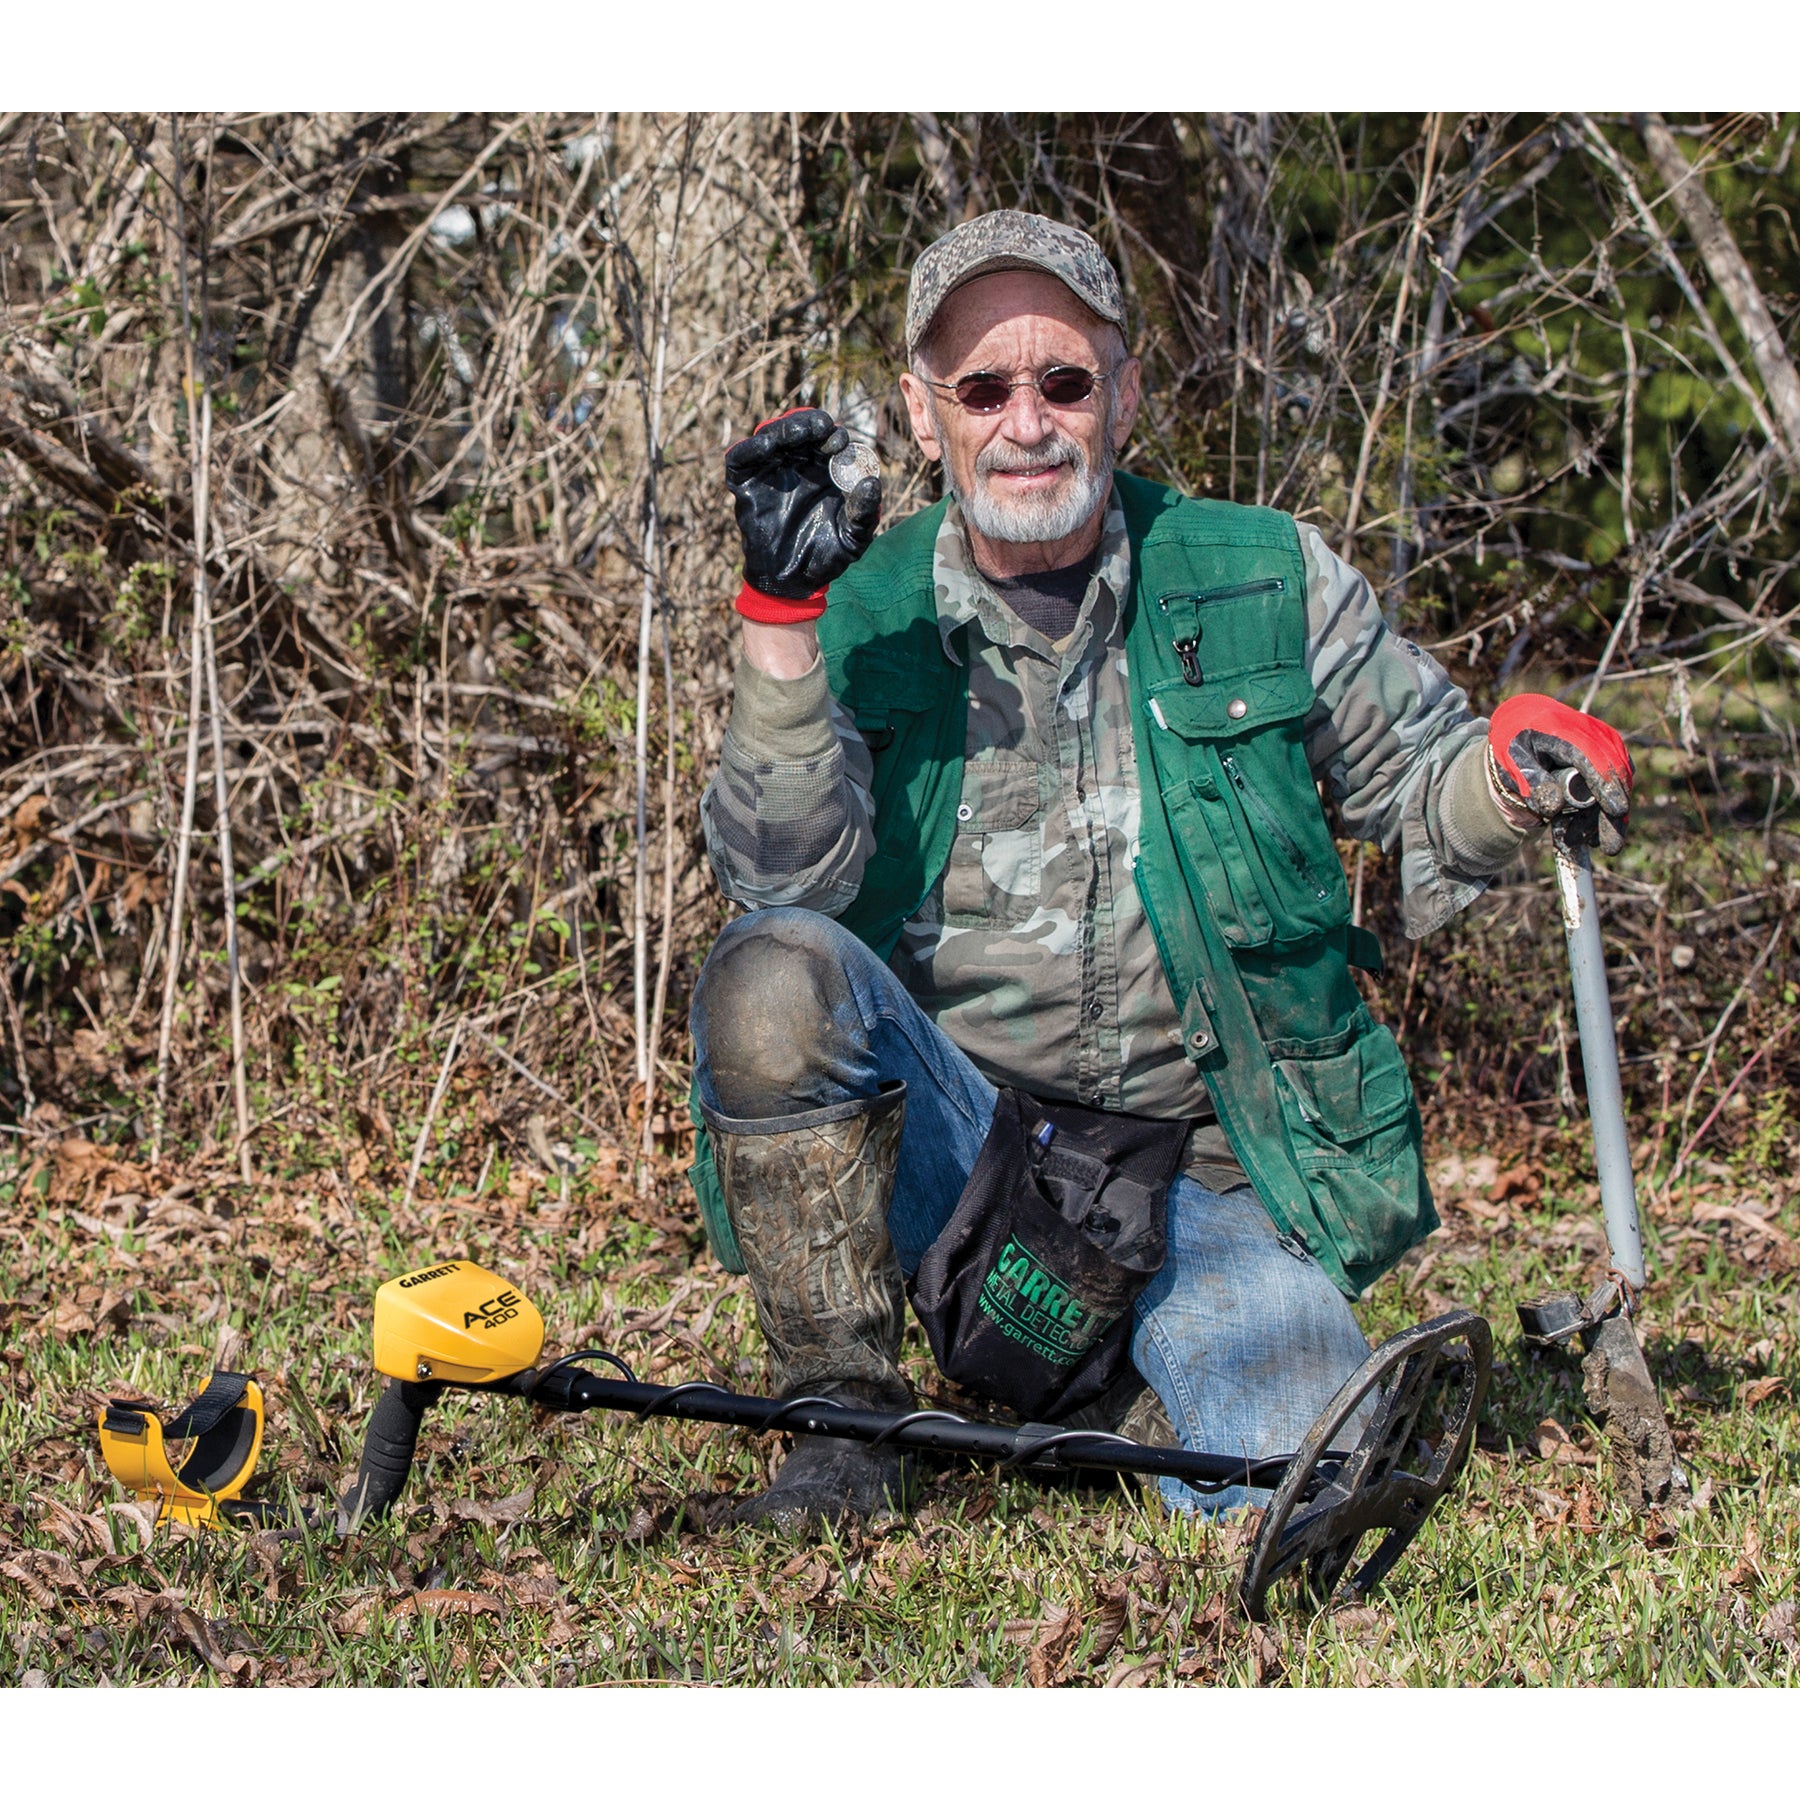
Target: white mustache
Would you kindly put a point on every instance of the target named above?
(1013, 459)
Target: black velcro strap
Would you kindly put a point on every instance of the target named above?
(222, 1392)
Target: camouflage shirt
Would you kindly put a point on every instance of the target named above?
(1033, 952)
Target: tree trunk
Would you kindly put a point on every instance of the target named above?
(336, 426)
(1731, 275)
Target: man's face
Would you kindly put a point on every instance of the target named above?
(1032, 472)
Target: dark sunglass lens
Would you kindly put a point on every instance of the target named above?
(983, 393)
(1067, 387)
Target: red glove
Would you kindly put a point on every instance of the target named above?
(1531, 736)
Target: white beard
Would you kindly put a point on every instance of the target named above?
(1036, 518)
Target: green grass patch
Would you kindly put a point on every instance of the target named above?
(548, 1550)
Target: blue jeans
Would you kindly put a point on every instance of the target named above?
(1242, 1339)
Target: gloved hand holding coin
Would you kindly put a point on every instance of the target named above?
(808, 500)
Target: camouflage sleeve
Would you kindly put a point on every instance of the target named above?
(1402, 752)
(788, 818)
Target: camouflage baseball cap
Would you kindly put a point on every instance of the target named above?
(1010, 240)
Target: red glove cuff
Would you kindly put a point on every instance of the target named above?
(770, 609)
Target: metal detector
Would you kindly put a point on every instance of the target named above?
(1419, 1396)
(1619, 1390)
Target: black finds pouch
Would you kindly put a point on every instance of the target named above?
(1026, 1295)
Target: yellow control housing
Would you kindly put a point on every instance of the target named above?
(216, 1463)
(454, 1321)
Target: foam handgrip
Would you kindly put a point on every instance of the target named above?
(387, 1453)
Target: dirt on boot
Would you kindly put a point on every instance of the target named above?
(832, 1478)
(808, 1196)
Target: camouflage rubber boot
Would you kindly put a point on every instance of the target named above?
(808, 1196)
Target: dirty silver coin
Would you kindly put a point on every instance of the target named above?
(852, 464)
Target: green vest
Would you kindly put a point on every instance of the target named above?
(1239, 876)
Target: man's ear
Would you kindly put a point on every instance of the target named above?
(918, 410)
(1130, 392)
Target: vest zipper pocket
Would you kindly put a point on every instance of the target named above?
(1187, 649)
(1274, 826)
(1270, 584)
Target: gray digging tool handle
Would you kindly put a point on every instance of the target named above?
(1599, 1055)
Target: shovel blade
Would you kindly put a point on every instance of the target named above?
(1623, 1399)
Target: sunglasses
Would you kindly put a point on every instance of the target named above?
(1064, 385)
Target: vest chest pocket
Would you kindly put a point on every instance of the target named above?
(995, 872)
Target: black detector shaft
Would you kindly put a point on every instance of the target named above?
(566, 1387)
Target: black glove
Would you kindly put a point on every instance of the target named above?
(800, 533)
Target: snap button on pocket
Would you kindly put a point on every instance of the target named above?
(1237, 709)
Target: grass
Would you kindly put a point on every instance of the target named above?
(550, 1551)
